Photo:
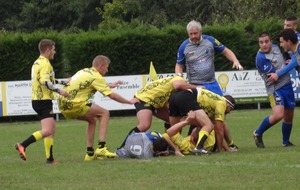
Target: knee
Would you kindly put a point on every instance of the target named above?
(143, 127)
(92, 121)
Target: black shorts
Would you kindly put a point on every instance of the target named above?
(142, 106)
(43, 108)
(183, 101)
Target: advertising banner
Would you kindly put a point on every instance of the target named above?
(245, 86)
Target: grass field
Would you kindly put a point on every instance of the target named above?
(274, 167)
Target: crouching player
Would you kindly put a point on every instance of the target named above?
(146, 145)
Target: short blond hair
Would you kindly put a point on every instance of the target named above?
(100, 60)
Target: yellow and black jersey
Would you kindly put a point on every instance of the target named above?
(82, 86)
(158, 92)
(213, 104)
(41, 72)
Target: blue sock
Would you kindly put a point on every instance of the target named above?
(265, 125)
(286, 132)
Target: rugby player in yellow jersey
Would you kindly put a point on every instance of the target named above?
(82, 86)
(199, 101)
(43, 88)
(154, 98)
(187, 144)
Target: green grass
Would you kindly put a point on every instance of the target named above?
(274, 167)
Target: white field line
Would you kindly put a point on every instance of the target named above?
(250, 164)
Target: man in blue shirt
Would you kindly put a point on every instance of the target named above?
(268, 60)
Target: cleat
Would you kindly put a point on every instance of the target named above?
(201, 151)
(233, 147)
(21, 151)
(104, 152)
(53, 162)
(258, 140)
(289, 144)
(94, 157)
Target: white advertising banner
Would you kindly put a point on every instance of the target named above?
(241, 84)
(245, 86)
(17, 98)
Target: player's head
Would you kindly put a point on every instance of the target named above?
(101, 63)
(288, 39)
(47, 48)
(194, 30)
(160, 146)
(230, 102)
(265, 42)
(291, 22)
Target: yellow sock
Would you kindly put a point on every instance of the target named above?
(37, 135)
(230, 142)
(48, 143)
(201, 134)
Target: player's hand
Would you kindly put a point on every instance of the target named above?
(178, 153)
(134, 100)
(273, 77)
(115, 84)
(237, 65)
(63, 93)
(190, 116)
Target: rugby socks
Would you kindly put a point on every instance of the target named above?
(230, 142)
(90, 151)
(265, 125)
(48, 143)
(101, 144)
(286, 132)
(135, 129)
(33, 138)
(202, 138)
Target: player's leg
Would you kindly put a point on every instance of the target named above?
(144, 116)
(269, 121)
(289, 99)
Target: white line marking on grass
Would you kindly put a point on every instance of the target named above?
(250, 164)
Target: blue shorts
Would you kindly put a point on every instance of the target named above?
(213, 87)
(283, 96)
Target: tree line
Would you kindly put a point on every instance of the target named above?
(107, 15)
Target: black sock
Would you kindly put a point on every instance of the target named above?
(135, 129)
(51, 154)
(202, 141)
(101, 144)
(28, 141)
(90, 151)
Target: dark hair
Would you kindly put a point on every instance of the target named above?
(289, 34)
(291, 18)
(264, 34)
(230, 100)
(160, 144)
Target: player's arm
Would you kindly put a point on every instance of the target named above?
(182, 85)
(219, 133)
(120, 99)
(231, 57)
(174, 147)
(49, 85)
(63, 82)
(179, 70)
(174, 129)
(293, 63)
